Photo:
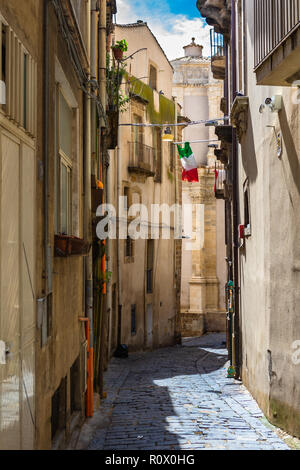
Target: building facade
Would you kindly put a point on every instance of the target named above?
(203, 267)
(49, 121)
(260, 148)
(145, 272)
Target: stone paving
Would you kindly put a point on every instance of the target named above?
(179, 398)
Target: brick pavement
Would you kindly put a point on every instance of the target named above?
(180, 398)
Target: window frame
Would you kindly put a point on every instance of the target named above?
(62, 159)
(20, 97)
(152, 67)
(158, 149)
(133, 319)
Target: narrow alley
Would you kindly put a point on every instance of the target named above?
(179, 398)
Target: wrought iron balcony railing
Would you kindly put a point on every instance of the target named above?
(216, 44)
(217, 55)
(141, 158)
(275, 21)
(220, 180)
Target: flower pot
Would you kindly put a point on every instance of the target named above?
(118, 53)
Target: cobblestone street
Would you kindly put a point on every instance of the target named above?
(180, 398)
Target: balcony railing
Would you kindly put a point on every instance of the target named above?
(275, 21)
(141, 158)
(220, 180)
(217, 55)
(216, 44)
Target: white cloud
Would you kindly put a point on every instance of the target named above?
(172, 31)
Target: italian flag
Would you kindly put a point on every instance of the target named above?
(189, 164)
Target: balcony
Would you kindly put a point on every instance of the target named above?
(217, 14)
(224, 134)
(220, 180)
(141, 159)
(277, 42)
(217, 55)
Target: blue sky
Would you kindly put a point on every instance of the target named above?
(188, 8)
(173, 22)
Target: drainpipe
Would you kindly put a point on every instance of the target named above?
(87, 227)
(102, 25)
(47, 246)
(118, 237)
(235, 202)
(177, 317)
(102, 56)
(228, 219)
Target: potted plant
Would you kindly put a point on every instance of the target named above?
(119, 48)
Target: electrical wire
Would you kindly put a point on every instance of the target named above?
(191, 123)
(195, 141)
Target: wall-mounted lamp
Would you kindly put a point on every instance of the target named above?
(168, 136)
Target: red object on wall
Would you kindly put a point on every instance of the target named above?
(242, 231)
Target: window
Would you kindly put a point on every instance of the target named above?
(18, 80)
(128, 247)
(172, 155)
(129, 242)
(133, 320)
(126, 195)
(157, 153)
(25, 95)
(153, 78)
(138, 138)
(63, 167)
(149, 270)
(3, 64)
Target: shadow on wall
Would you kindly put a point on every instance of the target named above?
(290, 149)
(248, 152)
(143, 412)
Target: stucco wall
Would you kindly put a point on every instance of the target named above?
(199, 95)
(147, 191)
(56, 357)
(269, 262)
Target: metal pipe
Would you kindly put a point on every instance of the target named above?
(87, 226)
(235, 202)
(94, 18)
(118, 239)
(102, 56)
(47, 246)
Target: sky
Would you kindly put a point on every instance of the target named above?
(173, 23)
